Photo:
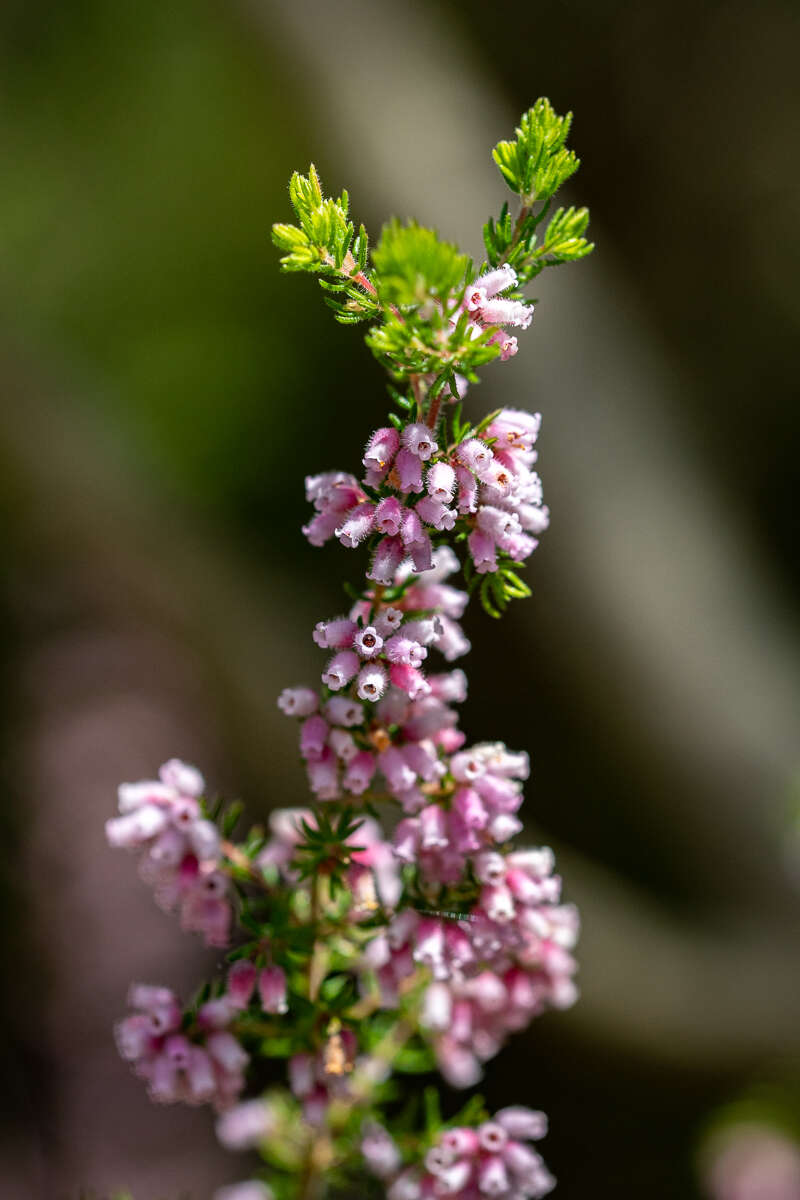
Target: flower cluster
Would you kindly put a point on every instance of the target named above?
(467, 1163)
(493, 968)
(488, 309)
(390, 650)
(181, 848)
(196, 1059)
(483, 486)
(377, 682)
(475, 812)
(501, 952)
(381, 727)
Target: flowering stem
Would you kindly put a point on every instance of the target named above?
(315, 900)
(522, 216)
(356, 949)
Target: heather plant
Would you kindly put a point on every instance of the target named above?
(394, 926)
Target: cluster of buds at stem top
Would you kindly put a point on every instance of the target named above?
(493, 1160)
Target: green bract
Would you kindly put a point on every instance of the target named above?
(414, 265)
(536, 163)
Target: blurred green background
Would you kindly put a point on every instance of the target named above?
(165, 391)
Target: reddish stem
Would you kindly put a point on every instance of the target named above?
(361, 279)
(433, 412)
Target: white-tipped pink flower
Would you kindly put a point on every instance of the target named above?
(507, 342)
(371, 682)
(440, 481)
(419, 439)
(409, 680)
(341, 710)
(496, 524)
(246, 1124)
(368, 642)
(450, 686)
(505, 312)
(389, 553)
(381, 449)
(483, 549)
(357, 525)
(515, 429)
(502, 279)
(298, 702)
(474, 454)
(405, 840)
(388, 621)
(323, 775)
(336, 634)
(411, 528)
(474, 297)
(313, 736)
(421, 552)
(396, 770)
(359, 773)
(402, 649)
(381, 1155)
(389, 516)
(467, 490)
(409, 471)
(272, 990)
(333, 494)
(343, 745)
(241, 983)
(433, 512)
(341, 669)
(184, 778)
(137, 828)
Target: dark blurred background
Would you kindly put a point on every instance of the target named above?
(164, 392)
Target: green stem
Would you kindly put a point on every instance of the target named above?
(310, 1179)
